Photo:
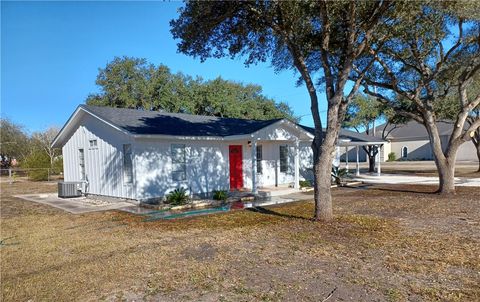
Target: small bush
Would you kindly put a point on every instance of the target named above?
(220, 195)
(39, 162)
(305, 183)
(177, 197)
(338, 175)
(392, 156)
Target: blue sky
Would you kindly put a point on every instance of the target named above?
(51, 52)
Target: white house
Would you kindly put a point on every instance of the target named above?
(142, 155)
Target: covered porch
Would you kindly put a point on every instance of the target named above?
(345, 146)
(275, 158)
(281, 156)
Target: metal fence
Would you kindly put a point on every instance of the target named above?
(14, 174)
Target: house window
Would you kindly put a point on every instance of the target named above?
(179, 167)
(81, 157)
(404, 152)
(284, 159)
(259, 159)
(127, 163)
(93, 143)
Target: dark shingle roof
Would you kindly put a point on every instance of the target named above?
(351, 135)
(415, 130)
(141, 122)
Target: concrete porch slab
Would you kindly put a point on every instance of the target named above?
(77, 205)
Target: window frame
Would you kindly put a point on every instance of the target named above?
(283, 162)
(404, 154)
(127, 163)
(81, 163)
(93, 146)
(179, 166)
(259, 159)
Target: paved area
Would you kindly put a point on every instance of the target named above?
(297, 196)
(418, 180)
(78, 205)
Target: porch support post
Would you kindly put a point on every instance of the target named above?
(296, 184)
(358, 163)
(379, 170)
(346, 158)
(254, 166)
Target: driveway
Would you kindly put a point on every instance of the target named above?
(418, 180)
(77, 205)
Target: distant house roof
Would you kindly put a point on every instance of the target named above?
(352, 136)
(142, 122)
(413, 130)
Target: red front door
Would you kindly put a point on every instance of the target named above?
(236, 167)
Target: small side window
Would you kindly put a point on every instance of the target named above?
(284, 159)
(259, 159)
(93, 143)
(127, 163)
(81, 158)
(179, 167)
(405, 152)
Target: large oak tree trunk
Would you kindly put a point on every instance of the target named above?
(446, 176)
(323, 156)
(445, 161)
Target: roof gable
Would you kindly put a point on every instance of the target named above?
(414, 129)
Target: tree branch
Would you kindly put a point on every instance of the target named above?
(330, 89)
(387, 102)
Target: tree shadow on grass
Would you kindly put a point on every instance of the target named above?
(404, 189)
(262, 210)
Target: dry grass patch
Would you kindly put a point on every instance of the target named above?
(385, 243)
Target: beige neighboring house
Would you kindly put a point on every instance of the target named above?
(410, 142)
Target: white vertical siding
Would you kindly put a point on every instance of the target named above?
(306, 160)
(207, 167)
(103, 164)
(271, 164)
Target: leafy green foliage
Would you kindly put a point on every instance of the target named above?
(416, 73)
(39, 162)
(220, 195)
(392, 156)
(134, 83)
(14, 142)
(177, 197)
(338, 175)
(362, 112)
(305, 184)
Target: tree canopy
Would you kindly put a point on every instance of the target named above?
(13, 141)
(433, 55)
(134, 83)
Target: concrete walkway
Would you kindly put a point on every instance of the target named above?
(416, 180)
(77, 205)
(280, 199)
